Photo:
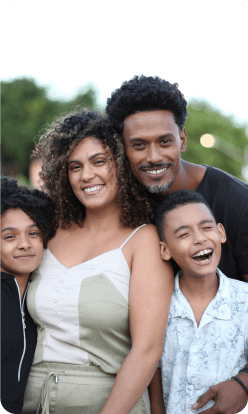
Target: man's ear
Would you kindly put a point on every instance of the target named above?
(165, 253)
(183, 139)
(222, 232)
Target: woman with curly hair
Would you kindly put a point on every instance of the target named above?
(27, 223)
(101, 295)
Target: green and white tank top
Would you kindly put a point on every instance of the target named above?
(82, 312)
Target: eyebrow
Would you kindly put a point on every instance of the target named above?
(15, 228)
(169, 134)
(90, 158)
(187, 227)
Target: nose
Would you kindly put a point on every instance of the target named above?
(199, 237)
(24, 242)
(87, 173)
(154, 155)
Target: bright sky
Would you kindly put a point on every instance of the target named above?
(200, 44)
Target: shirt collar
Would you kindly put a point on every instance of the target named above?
(219, 307)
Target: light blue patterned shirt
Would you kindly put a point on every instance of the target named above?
(194, 358)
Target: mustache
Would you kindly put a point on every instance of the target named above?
(157, 166)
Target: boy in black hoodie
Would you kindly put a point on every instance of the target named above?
(27, 223)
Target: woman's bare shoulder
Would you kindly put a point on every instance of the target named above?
(145, 239)
(146, 232)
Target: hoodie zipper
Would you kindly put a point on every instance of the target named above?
(23, 326)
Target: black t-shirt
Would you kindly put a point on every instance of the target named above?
(228, 199)
(18, 342)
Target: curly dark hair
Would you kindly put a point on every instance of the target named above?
(54, 148)
(173, 201)
(36, 204)
(142, 93)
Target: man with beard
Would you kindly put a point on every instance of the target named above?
(150, 113)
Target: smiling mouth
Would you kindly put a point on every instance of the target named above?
(93, 190)
(155, 173)
(24, 257)
(203, 256)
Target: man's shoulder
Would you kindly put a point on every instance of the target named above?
(219, 176)
(220, 185)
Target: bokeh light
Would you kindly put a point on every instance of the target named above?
(207, 140)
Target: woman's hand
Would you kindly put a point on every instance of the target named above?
(149, 301)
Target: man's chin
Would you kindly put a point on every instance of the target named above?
(159, 188)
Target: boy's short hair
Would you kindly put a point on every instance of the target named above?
(173, 201)
(36, 204)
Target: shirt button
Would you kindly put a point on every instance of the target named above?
(197, 336)
(55, 300)
(66, 271)
(55, 312)
(57, 289)
(61, 280)
(192, 364)
(55, 323)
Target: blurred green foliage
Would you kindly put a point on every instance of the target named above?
(26, 109)
(203, 119)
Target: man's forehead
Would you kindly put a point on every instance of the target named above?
(148, 121)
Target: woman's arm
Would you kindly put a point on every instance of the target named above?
(149, 301)
(156, 393)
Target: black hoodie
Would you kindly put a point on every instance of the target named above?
(18, 342)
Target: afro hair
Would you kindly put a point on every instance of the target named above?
(143, 93)
(36, 204)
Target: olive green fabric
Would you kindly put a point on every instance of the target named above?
(103, 323)
(67, 388)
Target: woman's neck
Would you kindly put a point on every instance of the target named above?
(102, 219)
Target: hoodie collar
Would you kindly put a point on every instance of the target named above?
(6, 276)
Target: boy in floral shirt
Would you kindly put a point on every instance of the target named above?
(206, 339)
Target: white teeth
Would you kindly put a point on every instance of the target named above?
(91, 189)
(202, 252)
(203, 261)
(156, 171)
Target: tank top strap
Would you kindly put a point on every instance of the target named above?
(129, 237)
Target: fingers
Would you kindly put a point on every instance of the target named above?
(217, 408)
(212, 410)
(211, 393)
(226, 396)
(242, 408)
